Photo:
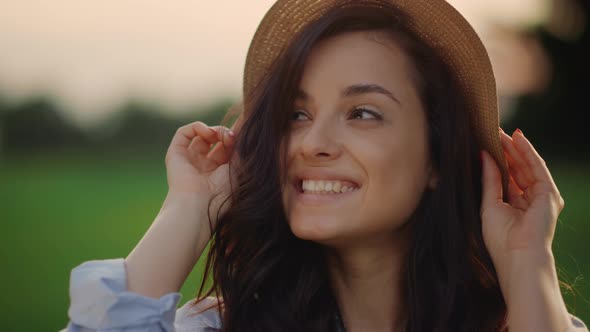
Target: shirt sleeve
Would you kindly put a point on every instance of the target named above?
(99, 300)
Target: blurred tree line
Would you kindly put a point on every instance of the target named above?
(37, 124)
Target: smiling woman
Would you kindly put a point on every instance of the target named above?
(365, 187)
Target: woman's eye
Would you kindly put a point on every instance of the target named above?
(365, 114)
(300, 116)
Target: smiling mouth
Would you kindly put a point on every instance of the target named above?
(325, 187)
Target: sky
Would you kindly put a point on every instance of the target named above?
(92, 56)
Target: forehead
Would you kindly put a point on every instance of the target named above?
(361, 55)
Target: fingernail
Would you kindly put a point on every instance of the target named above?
(519, 131)
(231, 133)
(501, 130)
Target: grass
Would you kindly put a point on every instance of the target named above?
(59, 210)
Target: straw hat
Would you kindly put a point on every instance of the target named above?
(436, 22)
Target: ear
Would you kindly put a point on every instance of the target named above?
(432, 177)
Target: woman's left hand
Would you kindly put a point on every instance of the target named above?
(518, 234)
(526, 222)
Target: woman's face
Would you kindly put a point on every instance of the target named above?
(358, 157)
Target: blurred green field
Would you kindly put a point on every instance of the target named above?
(58, 210)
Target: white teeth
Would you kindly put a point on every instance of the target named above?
(319, 186)
(336, 187)
(327, 186)
(314, 186)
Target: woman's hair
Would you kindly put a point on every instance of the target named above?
(270, 280)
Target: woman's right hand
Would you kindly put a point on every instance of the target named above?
(196, 169)
(179, 234)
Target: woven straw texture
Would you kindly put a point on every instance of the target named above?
(435, 21)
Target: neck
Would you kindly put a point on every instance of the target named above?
(367, 281)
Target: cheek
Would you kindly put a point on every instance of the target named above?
(397, 180)
(393, 199)
(287, 159)
(288, 151)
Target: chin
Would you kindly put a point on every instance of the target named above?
(329, 232)
(339, 233)
(315, 230)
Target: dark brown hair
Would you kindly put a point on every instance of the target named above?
(269, 280)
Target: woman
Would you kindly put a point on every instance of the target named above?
(351, 195)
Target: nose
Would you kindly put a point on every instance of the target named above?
(320, 142)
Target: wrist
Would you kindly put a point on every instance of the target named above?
(530, 287)
(186, 209)
(516, 262)
(539, 259)
(187, 203)
(184, 197)
(521, 267)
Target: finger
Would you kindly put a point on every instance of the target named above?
(515, 196)
(536, 164)
(491, 180)
(185, 134)
(221, 153)
(223, 134)
(521, 178)
(517, 166)
(199, 146)
(197, 153)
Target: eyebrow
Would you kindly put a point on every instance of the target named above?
(356, 90)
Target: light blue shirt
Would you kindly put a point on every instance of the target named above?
(99, 301)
